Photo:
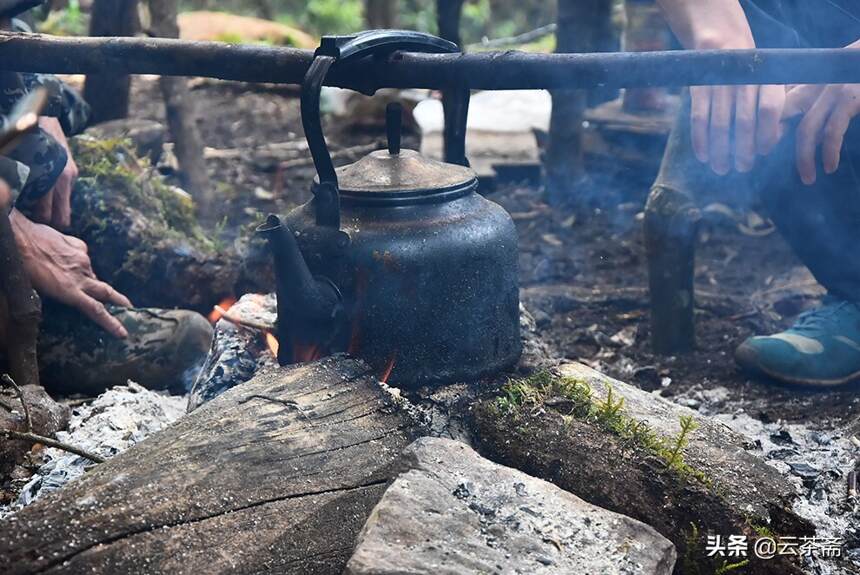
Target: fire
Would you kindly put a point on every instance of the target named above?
(272, 343)
(304, 352)
(218, 311)
(389, 367)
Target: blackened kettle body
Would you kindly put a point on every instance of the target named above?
(397, 259)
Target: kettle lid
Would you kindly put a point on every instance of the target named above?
(404, 172)
(396, 176)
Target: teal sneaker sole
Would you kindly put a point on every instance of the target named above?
(749, 365)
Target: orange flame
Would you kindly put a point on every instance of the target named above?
(218, 311)
(386, 373)
(272, 343)
(305, 352)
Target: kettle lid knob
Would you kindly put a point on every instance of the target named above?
(393, 123)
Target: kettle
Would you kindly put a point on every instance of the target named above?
(396, 259)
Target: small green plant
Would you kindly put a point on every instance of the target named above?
(692, 547)
(727, 567)
(674, 456)
(609, 410)
(578, 403)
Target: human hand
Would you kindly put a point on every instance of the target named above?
(731, 125)
(59, 267)
(55, 208)
(827, 113)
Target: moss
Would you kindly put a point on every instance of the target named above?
(727, 567)
(111, 177)
(578, 402)
(693, 551)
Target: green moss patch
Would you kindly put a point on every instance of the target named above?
(573, 398)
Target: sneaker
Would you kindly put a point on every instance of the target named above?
(821, 349)
(162, 351)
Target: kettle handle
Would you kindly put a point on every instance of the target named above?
(334, 49)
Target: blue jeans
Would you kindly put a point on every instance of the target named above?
(821, 223)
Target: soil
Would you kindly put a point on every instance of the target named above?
(746, 284)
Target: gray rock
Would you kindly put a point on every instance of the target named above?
(452, 511)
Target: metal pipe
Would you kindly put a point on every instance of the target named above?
(508, 70)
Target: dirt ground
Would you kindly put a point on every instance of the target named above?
(746, 284)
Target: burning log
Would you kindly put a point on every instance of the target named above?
(278, 475)
(629, 451)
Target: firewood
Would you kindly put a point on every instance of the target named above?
(277, 475)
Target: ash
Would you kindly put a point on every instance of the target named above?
(815, 458)
(110, 424)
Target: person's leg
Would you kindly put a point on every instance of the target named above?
(822, 225)
(821, 222)
(162, 351)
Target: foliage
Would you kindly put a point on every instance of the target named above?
(480, 18)
(578, 402)
(66, 22)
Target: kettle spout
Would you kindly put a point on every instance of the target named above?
(307, 305)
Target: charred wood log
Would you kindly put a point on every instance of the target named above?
(182, 116)
(108, 91)
(671, 222)
(278, 475)
(509, 70)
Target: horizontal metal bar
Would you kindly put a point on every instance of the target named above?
(508, 70)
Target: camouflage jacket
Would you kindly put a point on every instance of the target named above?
(42, 157)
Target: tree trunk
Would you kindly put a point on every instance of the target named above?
(582, 26)
(380, 13)
(182, 116)
(108, 93)
(264, 9)
(274, 476)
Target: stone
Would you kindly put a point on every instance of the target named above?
(452, 511)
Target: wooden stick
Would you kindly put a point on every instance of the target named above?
(20, 393)
(511, 69)
(36, 438)
(30, 435)
(25, 308)
(671, 221)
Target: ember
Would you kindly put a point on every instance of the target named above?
(389, 367)
(219, 310)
